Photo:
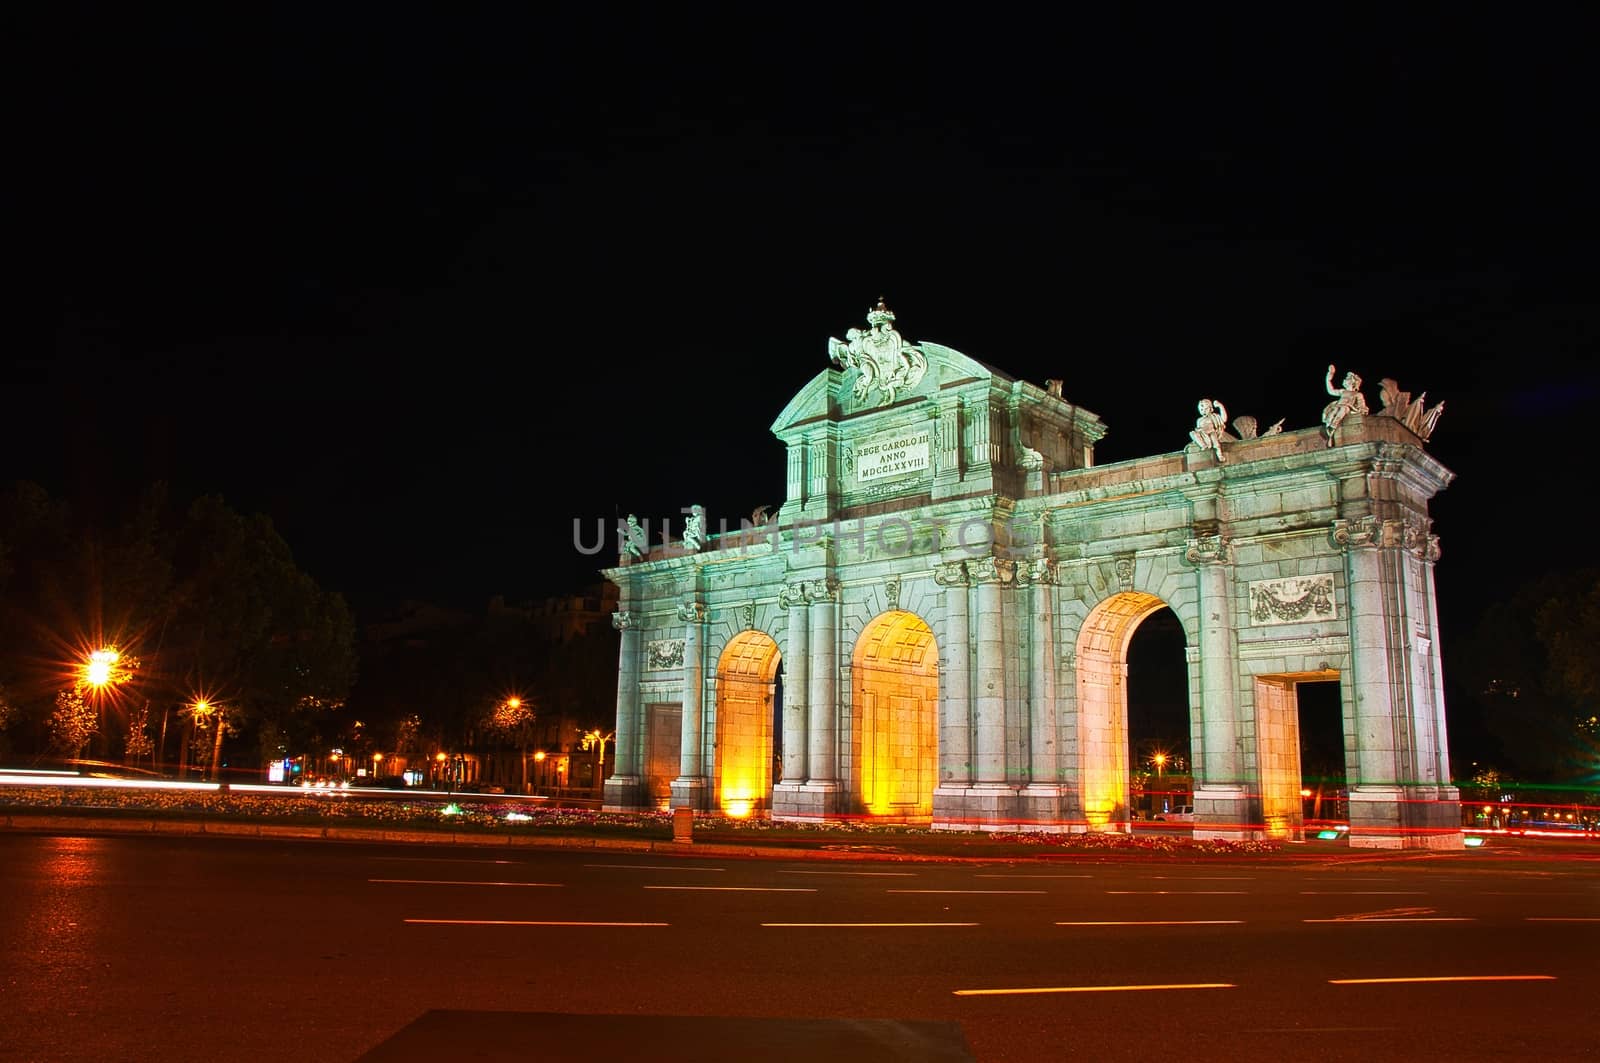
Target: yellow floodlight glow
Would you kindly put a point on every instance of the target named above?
(739, 809)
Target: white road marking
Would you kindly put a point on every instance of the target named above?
(1205, 878)
(1033, 876)
(1090, 989)
(1447, 978)
(858, 874)
(1178, 892)
(654, 867)
(458, 882)
(1563, 919)
(1396, 919)
(520, 922)
(439, 860)
(968, 891)
(1363, 893)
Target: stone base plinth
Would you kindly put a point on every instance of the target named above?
(1227, 812)
(980, 807)
(1039, 808)
(691, 791)
(1405, 817)
(624, 793)
(807, 802)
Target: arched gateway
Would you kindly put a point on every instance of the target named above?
(951, 587)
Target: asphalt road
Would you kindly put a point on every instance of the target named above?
(118, 948)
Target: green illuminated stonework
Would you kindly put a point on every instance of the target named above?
(950, 568)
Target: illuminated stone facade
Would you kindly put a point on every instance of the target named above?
(951, 585)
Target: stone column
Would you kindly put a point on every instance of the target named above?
(955, 696)
(796, 683)
(822, 752)
(989, 695)
(1221, 795)
(1041, 798)
(624, 788)
(1370, 688)
(689, 788)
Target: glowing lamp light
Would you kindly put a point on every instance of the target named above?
(1305, 793)
(738, 809)
(441, 758)
(539, 755)
(1472, 843)
(515, 703)
(97, 672)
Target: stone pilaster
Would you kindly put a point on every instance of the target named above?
(796, 685)
(989, 732)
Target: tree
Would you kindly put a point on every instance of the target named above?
(513, 722)
(1529, 667)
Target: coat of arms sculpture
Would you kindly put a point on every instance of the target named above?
(884, 360)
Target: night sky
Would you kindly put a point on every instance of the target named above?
(427, 289)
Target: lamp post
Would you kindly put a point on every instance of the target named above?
(97, 672)
(598, 738)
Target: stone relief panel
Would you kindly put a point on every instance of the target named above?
(1292, 600)
(662, 654)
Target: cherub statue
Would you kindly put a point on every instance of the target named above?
(759, 515)
(1053, 388)
(1347, 400)
(1211, 427)
(635, 543)
(694, 529)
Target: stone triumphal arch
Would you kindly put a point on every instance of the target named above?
(935, 625)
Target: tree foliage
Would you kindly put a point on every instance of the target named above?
(1532, 669)
(209, 598)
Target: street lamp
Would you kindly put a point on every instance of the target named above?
(594, 738)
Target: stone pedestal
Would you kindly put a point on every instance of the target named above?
(981, 806)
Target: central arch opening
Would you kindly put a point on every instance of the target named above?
(896, 736)
(1103, 752)
(746, 694)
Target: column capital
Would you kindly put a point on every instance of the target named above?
(1209, 550)
(822, 590)
(623, 620)
(992, 570)
(1036, 570)
(792, 594)
(692, 612)
(951, 574)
